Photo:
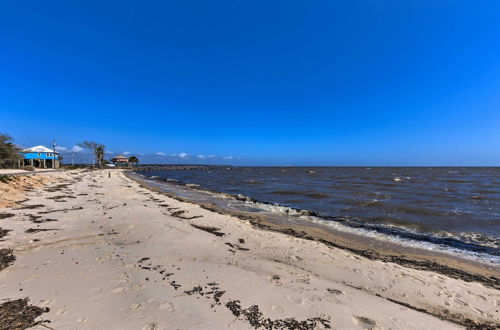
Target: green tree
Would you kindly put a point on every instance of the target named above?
(9, 152)
(133, 160)
(97, 149)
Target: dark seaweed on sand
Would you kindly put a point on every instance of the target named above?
(178, 214)
(18, 314)
(6, 215)
(26, 207)
(212, 291)
(61, 197)
(4, 232)
(6, 258)
(62, 210)
(43, 220)
(36, 230)
(256, 319)
(212, 230)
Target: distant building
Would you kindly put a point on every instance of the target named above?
(120, 160)
(40, 157)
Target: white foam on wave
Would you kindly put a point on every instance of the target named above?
(475, 256)
(484, 258)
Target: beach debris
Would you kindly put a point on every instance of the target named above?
(236, 246)
(241, 240)
(177, 214)
(452, 317)
(112, 232)
(256, 319)
(210, 291)
(36, 230)
(19, 314)
(25, 207)
(366, 322)
(212, 230)
(196, 289)
(5, 179)
(33, 217)
(43, 220)
(334, 291)
(6, 258)
(62, 210)
(58, 187)
(60, 197)
(6, 215)
(4, 232)
(175, 285)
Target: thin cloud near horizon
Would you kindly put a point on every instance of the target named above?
(161, 154)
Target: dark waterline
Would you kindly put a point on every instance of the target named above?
(461, 206)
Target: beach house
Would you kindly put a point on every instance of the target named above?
(120, 160)
(39, 157)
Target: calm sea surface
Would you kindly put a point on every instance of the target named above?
(455, 206)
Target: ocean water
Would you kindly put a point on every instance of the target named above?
(447, 206)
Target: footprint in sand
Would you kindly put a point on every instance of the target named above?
(134, 306)
(122, 282)
(150, 326)
(119, 289)
(278, 309)
(61, 312)
(166, 306)
(96, 289)
(154, 302)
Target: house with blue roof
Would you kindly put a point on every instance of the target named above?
(40, 157)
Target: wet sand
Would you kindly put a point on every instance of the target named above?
(106, 252)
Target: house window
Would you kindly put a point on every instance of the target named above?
(39, 154)
(48, 154)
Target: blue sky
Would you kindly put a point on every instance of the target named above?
(257, 82)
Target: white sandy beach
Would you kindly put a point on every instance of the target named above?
(115, 255)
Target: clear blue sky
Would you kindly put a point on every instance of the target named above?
(262, 82)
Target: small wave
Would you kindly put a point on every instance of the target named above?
(373, 202)
(465, 244)
(475, 238)
(389, 229)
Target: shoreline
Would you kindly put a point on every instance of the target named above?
(97, 250)
(417, 258)
(473, 246)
